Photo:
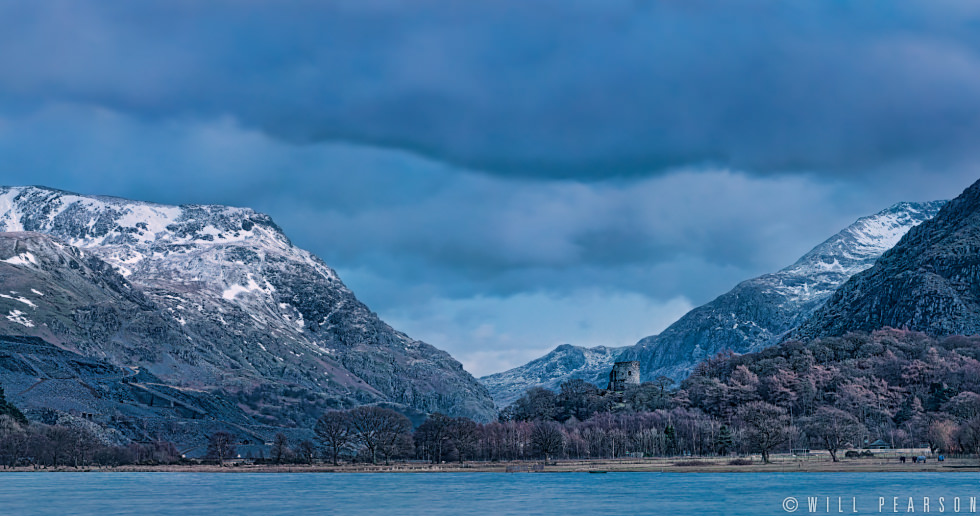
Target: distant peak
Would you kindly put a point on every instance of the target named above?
(905, 206)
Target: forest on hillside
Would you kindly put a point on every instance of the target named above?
(901, 387)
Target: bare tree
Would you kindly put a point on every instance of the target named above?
(280, 447)
(81, 446)
(59, 440)
(463, 435)
(766, 426)
(221, 446)
(333, 431)
(380, 430)
(306, 450)
(968, 436)
(663, 383)
(432, 437)
(942, 434)
(547, 438)
(396, 438)
(834, 428)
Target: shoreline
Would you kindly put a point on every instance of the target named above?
(652, 465)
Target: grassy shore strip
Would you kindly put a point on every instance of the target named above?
(665, 465)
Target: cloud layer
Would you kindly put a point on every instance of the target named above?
(499, 177)
(556, 88)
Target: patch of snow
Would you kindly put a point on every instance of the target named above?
(22, 299)
(300, 322)
(36, 292)
(11, 214)
(17, 316)
(232, 291)
(151, 221)
(22, 259)
(833, 266)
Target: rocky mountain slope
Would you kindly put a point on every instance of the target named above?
(51, 383)
(929, 281)
(756, 314)
(210, 299)
(566, 362)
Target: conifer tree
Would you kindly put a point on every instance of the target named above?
(724, 442)
(7, 409)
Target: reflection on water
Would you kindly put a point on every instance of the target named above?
(632, 494)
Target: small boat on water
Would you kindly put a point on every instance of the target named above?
(597, 471)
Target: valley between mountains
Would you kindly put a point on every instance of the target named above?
(173, 322)
(754, 315)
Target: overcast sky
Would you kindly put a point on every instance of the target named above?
(498, 177)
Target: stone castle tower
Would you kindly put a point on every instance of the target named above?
(623, 374)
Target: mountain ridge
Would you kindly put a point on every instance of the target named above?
(565, 362)
(758, 312)
(238, 308)
(753, 315)
(928, 282)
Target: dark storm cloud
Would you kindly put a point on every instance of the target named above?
(434, 229)
(553, 88)
(501, 175)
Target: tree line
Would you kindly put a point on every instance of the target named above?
(904, 388)
(41, 445)
(901, 387)
(70, 442)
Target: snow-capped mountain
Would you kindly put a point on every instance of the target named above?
(758, 312)
(214, 298)
(566, 362)
(928, 282)
(856, 248)
(754, 315)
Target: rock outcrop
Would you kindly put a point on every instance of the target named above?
(928, 282)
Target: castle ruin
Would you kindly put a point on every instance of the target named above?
(623, 374)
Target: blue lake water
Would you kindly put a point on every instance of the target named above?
(628, 494)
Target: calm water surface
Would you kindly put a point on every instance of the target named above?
(629, 494)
